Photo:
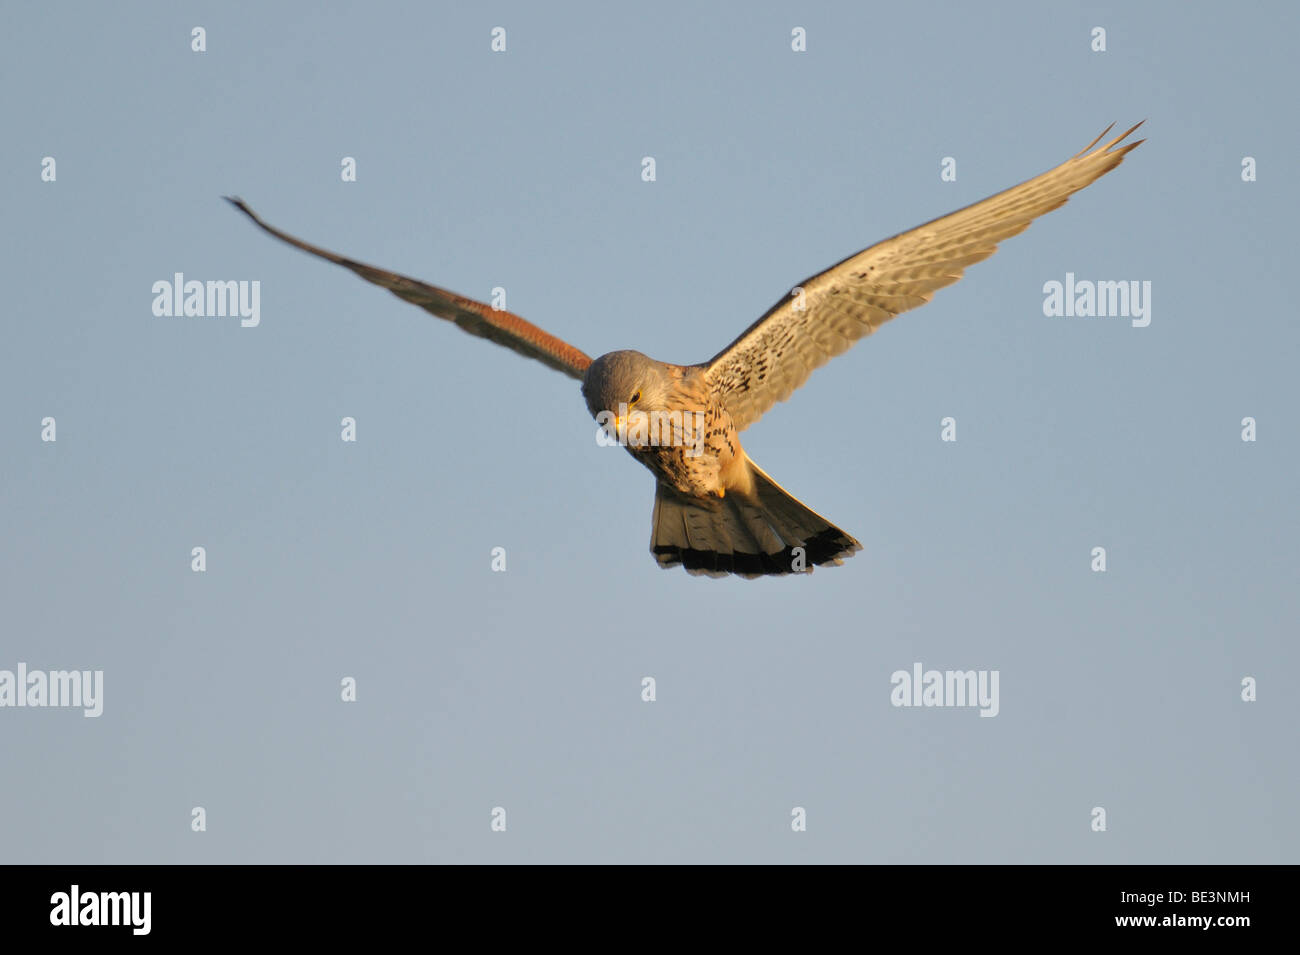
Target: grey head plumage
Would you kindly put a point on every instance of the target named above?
(626, 378)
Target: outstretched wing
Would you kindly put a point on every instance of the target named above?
(853, 298)
(504, 328)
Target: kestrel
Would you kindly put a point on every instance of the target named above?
(717, 512)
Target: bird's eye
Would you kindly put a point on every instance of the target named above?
(635, 398)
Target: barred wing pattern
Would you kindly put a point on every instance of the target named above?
(853, 298)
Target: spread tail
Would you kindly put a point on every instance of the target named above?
(764, 533)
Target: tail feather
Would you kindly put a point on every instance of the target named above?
(764, 533)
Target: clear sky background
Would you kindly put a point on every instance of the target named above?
(522, 689)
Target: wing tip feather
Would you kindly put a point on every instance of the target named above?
(1085, 149)
(1124, 135)
(242, 206)
(1107, 149)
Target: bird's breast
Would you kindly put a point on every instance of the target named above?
(697, 452)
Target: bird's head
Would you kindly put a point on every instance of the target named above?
(623, 383)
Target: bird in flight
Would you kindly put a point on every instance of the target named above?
(717, 512)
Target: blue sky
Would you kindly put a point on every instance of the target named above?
(372, 560)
